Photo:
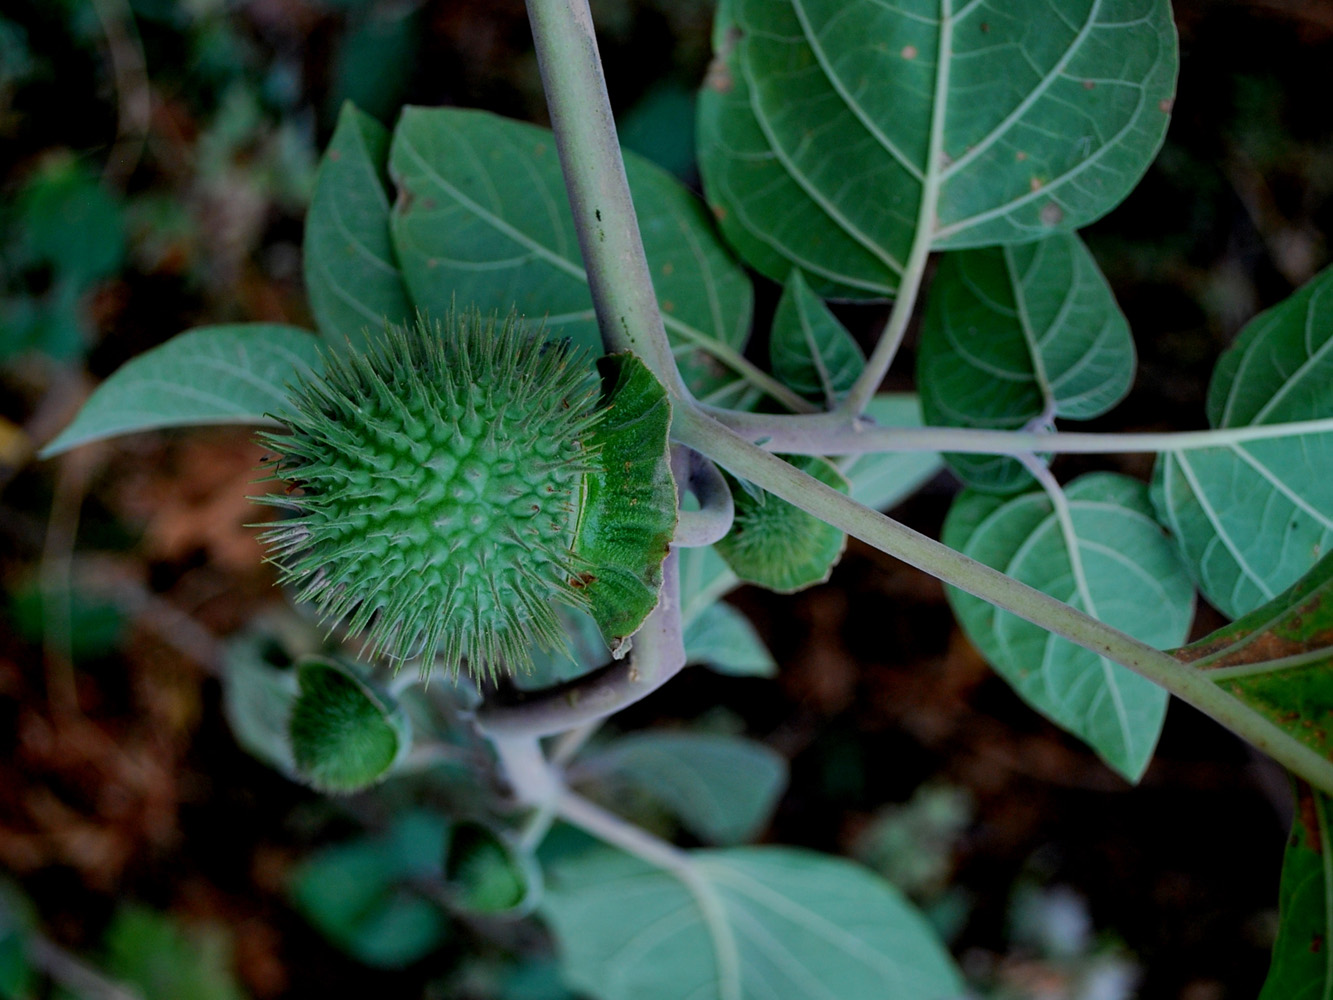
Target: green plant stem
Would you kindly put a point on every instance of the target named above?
(914, 269)
(533, 781)
(747, 461)
(657, 655)
(700, 477)
(837, 434)
(608, 229)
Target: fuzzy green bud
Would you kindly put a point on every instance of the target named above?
(345, 734)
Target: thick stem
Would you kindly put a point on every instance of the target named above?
(608, 230)
(658, 654)
(778, 477)
(697, 475)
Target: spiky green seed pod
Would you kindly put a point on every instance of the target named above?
(437, 481)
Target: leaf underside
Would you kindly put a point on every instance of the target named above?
(815, 126)
(1127, 574)
(750, 924)
(229, 374)
(1252, 517)
(1014, 337)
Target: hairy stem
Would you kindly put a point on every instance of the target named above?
(608, 229)
(745, 460)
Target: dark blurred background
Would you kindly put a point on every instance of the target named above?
(155, 160)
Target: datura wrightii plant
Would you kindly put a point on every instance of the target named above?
(527, 451)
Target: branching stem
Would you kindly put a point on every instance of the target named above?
(837, 434)
(743, 459)
(658, 654)
(628, 315)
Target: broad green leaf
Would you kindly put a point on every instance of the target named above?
(1017, 336)
(232, 374)
(723, 788)
(776, 544)
(722, 638)
(1302, 967)
(1251, 517)
(741, 924)
(1278, 659)
(629, 507)
(482, 216)
(809, 349)
(162, 960)
(1117, 567)
(883, 480)
(360, 895)
(351, 271)
(829, 128)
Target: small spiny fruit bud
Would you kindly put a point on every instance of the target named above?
(345, 735)
(777, 545)
(437, 481)
(487, 874)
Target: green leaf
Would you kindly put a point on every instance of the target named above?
(1126, 574)
(163, 961)
(482, 216)
(1251, 517)
(351, 271)
(257, 700)
(1302, 967)
(1014, 337)
(359, 893)
(815, 126)
(722, 638)
(71, 223)
(881, 481)
(777, 545)
(1278, 659)
(722, 788)
(742, 924)
(629, 508)
(809, 349)
(231, 374)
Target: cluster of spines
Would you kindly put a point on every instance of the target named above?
(392, 538)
